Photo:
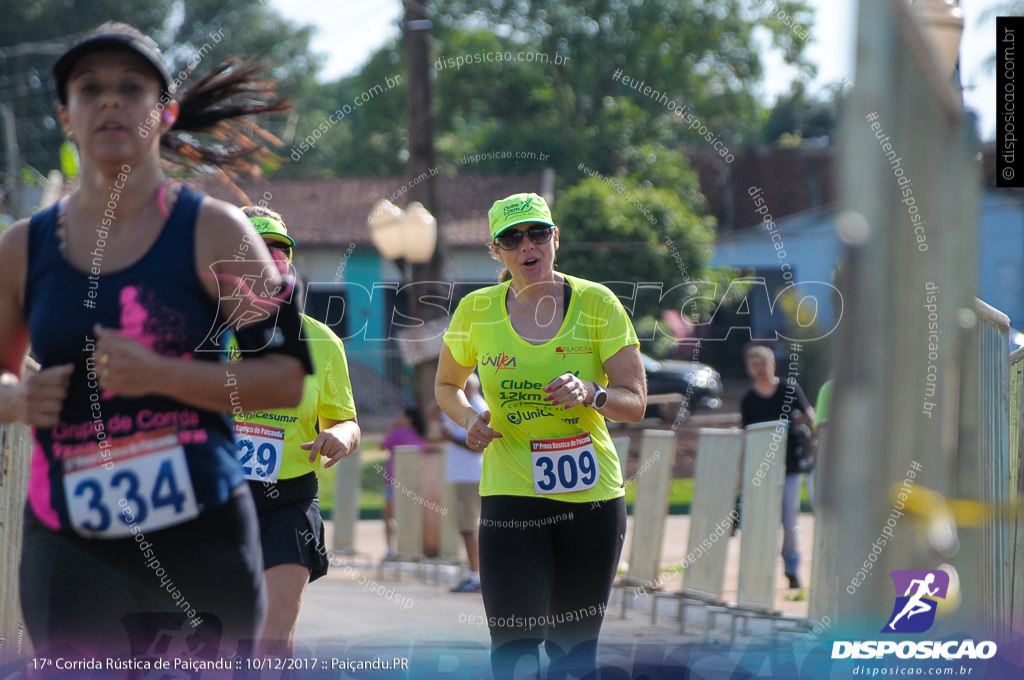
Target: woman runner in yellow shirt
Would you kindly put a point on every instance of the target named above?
(556, 356)
(280, 451)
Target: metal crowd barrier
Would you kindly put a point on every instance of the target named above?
(994, 472)
(1017, 485)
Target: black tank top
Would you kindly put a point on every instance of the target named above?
(118, 466)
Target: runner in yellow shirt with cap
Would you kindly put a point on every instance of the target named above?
(556, 356)
(280, 451)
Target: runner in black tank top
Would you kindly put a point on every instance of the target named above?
(138, 522)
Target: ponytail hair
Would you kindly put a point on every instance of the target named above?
(204, 108)
(503, 274)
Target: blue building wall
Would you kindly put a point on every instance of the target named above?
(809, 250)
(356, 277)
(367, 305)
(1001, 255)
(812, 248)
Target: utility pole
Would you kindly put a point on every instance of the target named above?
(419, 102)
(11, 162)
(421, 168)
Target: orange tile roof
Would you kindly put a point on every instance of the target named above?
(331, 212)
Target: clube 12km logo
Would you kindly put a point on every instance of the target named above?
(917, 599)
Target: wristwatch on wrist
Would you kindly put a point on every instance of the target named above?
(600, 397)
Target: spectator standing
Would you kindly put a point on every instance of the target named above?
(463, 469)
(768, 400)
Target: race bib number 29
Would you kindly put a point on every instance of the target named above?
(564, 465)
(141, 481)
(259, 448)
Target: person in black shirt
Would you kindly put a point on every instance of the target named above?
(770, 399)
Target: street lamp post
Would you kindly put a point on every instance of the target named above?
(404, 236)
(408, 238)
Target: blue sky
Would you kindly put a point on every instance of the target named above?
(367, 24)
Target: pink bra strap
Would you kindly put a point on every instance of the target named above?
(161, 198)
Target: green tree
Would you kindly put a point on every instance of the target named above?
(498, 89)
(34, 34)
(699, 54)
(799, 116)
(500, 106)
(615, 229)
(621, 233)
(364, 115)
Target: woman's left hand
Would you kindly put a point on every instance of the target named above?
(125, 366)
(333, 444)
(567, 390)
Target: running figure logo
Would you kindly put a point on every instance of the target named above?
(250, 302)
(914, 611)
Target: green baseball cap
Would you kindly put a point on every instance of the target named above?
(272, 229)
(518, 209)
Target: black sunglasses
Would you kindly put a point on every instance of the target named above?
(511, 238)
(274, 245)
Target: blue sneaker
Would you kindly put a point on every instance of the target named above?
(467, 586)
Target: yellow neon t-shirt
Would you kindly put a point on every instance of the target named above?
(327, 393)
(513, 374)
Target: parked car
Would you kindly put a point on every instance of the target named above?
(700, 384)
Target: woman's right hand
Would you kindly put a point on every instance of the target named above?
(478, 432)
(42, 395)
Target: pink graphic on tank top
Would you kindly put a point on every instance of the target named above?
(39, 487)
(134, 317)
(152, 324)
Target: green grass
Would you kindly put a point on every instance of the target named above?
(680, 495)
(371, 498)
(371, 495)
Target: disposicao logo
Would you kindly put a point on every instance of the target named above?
(914, 612)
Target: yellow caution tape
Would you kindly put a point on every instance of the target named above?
(929, 505)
